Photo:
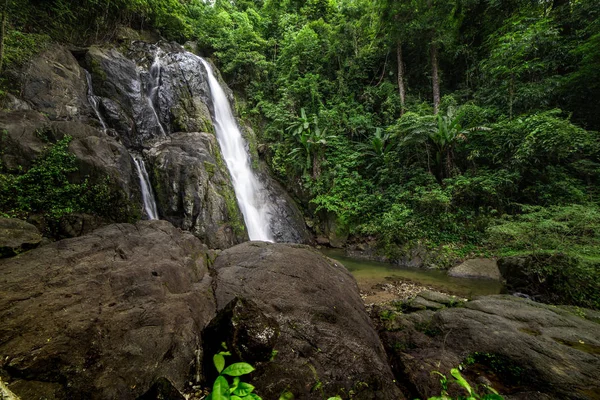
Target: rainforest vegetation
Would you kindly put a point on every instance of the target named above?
(466, 126)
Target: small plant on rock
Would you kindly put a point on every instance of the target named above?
(458, 379)
(237, 390)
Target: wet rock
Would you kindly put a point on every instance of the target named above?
(138, 109)
(438, 297)
(519, 345)
(288, 224)
(482, 268)
(194, 190)
(17, 236)
(54, 84)
(326, 338)
(103, 316)
(117, 78)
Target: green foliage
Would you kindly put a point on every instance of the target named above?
(460, 381)
(47, 189)
(571, 229)
(20, 47)
(223, 389)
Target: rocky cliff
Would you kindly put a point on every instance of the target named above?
(136, 99)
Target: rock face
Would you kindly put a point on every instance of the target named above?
(151, 91)
(54, 84)
(130, 311)
(104, 315)
(194, 190)
(17, 236)
(520, 346)
(482, 268)
(288, 224)
(326, 344)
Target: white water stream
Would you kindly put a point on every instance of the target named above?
(147, 194)
(152, 91)
(93, 99)
(248, 189)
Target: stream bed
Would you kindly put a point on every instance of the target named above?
(382, 282)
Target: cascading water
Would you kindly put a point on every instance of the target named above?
(147, 194)
(152, 90)
(94, 100)
(248, 189)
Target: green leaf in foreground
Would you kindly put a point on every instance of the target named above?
(238, 369)
(219, 362)
(220, 389)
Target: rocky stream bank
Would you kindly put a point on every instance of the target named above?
(128, 309)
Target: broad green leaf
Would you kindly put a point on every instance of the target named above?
(220, 389)
(238, 369)
(243, 389)
(219, 362)
(461, 381)
(234, 397)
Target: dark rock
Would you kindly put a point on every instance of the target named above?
(162, 389)
(287, 222)
(327, 344)
(104, 315)
(17, 236)
(21, 142)
(125, 83)
(519, 345)
(482, 268)
(419, 303)
(193, 188)
(117, 78)
(248, 333)
(74, 225)
(438, 297)
(54, 84)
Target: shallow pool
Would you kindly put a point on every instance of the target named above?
(369, 273)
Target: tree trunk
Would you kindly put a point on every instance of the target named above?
(401, 88)
(435, 79)
(2, 33)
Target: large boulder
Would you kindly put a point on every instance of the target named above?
(105, 315)
(326, 345)
(527, 350)
(54, 84)
(480, 268)
(17, 236)
(194, 189)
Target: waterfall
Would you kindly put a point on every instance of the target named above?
(93, 99)
(248, 190)
(152, 90)
(147, 194)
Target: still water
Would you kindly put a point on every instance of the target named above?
(368, 273)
